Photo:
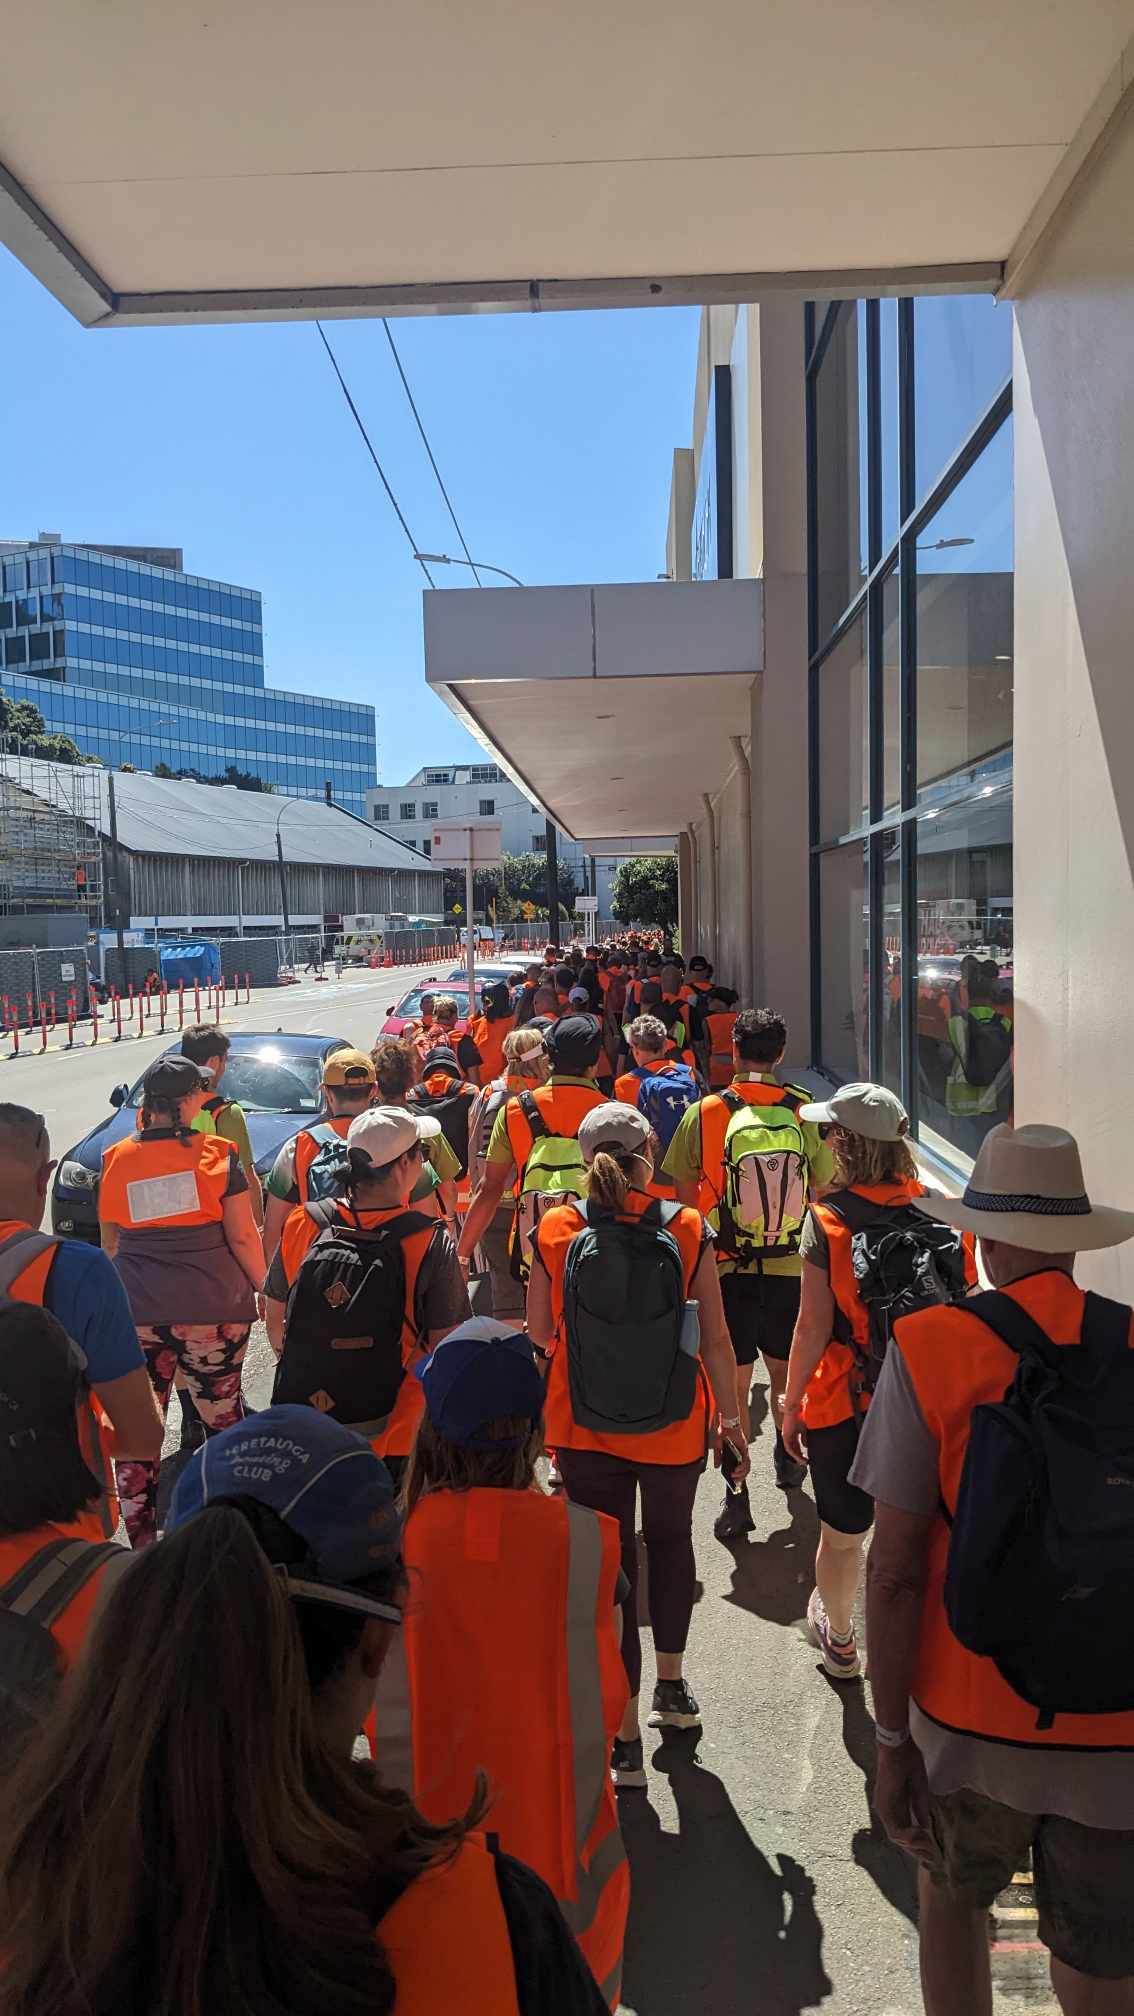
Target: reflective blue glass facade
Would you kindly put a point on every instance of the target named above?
(141, 664)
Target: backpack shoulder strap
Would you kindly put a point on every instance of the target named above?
(1004, 1317)
(1106, 1324)
(731, 1100)
(18, 1251)
(324, 1213)
(539, 1127)
(43, 1587)
(856, 1212)
(667, 1212)
(795, 1096)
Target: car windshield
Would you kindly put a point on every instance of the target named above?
(488, 973)
(268, 1080)
(409, 1008)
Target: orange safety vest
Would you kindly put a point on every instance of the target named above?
(396, 1436)
(626, 1090)
(508, 1661)
(834, 1391)
(447, 1939)
(307, 1147)
(72, 1625)
(440, 1082)
(563, 1108)
(683, 1441)
(956, 1364)
(95, 1431)
(489, 1039)
(718, 1031)
(192, 1169)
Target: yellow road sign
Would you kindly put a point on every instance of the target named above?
(528, 910)
(457, 910)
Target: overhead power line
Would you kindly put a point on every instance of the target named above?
(398, 512)
(428, 450)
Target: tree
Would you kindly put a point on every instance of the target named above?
(645, 891)
(23, 732)
(522, 878)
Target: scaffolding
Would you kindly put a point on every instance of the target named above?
(50, 838)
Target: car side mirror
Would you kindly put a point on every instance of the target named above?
(392, 1009)
(120, 1095)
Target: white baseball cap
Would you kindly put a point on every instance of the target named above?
(383, 1133)
(870, 1110)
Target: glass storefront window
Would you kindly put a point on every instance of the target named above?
(844, 775)
(891, 990)
(888, 403)
(843, 963)
(840, 431)
(964, 623)
(891, 694)
(962, 358)
(965, 968)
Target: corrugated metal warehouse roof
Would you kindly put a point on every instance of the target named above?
(162, 815)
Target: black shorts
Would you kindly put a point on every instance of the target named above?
(760, 1310)
(830, 1453)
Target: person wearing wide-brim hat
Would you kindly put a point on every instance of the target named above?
(967, 1780)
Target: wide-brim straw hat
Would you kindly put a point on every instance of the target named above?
(1027, 1189)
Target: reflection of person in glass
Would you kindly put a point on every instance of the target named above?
(978, 1091)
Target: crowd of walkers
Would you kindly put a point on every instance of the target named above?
(353, 1733)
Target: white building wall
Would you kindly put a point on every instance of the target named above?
(1074, 726)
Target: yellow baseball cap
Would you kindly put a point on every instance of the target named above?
(349, 1067)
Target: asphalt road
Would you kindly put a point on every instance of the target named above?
(761, 1885)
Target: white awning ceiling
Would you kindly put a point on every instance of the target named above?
(274, 157)
(612, 707)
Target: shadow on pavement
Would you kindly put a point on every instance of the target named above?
(773, 1578)
(892, 1871)
(714, 1925)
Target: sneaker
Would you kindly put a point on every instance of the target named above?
(626, 1765)
(674, 1706)
(735, 1516)
(789, 1474)
(839, 1655)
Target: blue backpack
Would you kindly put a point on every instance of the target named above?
(663, 1097)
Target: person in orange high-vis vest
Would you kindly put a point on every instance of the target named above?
(259, 1627)
(383, 1160)
(489, 1030)
(717, 1024)
(175, 1215)
(608, 1470)
(349, 1087)
(970, 1780)
(826, 1399)
(508, 1659)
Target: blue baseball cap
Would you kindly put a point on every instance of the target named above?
(323, 1481)
(481, 1372)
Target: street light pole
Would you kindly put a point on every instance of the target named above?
(280, 859)
(481, 566)
(553, 882)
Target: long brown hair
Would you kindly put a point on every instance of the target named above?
(180, 1841)
(859, 1163)
(437, 1464)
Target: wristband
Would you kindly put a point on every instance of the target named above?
(727, 1422)
(891, 1739)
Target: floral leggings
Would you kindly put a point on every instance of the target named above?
(208, 1357)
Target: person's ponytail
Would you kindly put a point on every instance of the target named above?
(179, 1838)
(609, 1184)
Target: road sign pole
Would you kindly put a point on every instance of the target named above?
(471, 930)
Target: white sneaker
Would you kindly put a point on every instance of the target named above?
(839, 1655)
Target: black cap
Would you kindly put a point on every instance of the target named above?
(574, 1042)
(42, 1374)
(174, 1077)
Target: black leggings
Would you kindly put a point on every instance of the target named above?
(611, 1484)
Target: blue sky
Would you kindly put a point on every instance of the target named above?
(554, 434)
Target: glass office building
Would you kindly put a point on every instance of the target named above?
(140, 662)
(910, 573)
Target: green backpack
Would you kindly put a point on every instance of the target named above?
(765, 1176)
(553, 1173)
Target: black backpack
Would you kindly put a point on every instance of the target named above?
(632, 1362)
(31, 1668)
(1040, 1573)
(346, 1314)
(450, 1107)
(988, 1046)
(902, 1262)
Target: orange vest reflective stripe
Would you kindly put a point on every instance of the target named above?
(562, 1108)
(489, 1039)
(447, 1940)
(308, 1145)
(132, 1171)
(683, 1441)
(70, 1628)
(95, 1431)
(834, 1387)
(955, 1363)
(718, 1029)
(508, 1662)
(396, 1435)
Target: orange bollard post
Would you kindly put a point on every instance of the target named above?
(181, 1004)
(141, 1014)
(42, 1027)
(54, 1016)
(31, 1014)
(162, 998)
(248, 987)
(196, 1000)
(94, 1015)
(117, 999)
(70, 1021)
(15, 1032)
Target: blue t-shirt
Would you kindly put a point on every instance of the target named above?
(84, 1292)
